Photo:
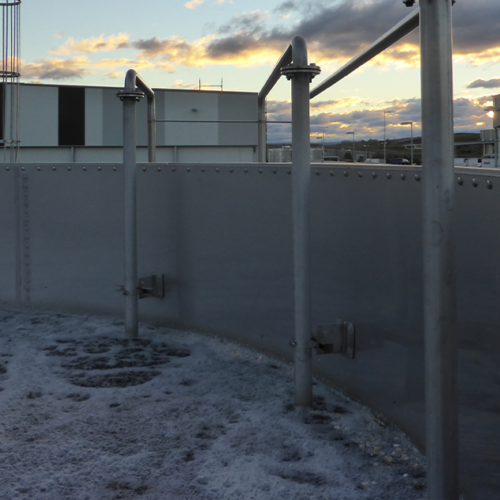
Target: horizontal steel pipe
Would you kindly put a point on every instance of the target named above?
(407, 25)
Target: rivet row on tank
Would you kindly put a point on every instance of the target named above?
(260, 170)
(143, 169)
(317, 172)
(114, 169)
(275, 171)
(39, 168)
(231, 170)
(7, 168)
(346, 173)
(23, 168)
(99, 168)
(54, 169)
(489, 184)
(173, 169)
(84, 168)
(331, 173)
(460, 181)
(417, 177)
(188, 169)
(69, 169)
(374, 175)
(403, 177)
(159, 169)
(289, 172)
(474, 182)
(360, 174)
(203, 169)
(246, 170)
(217, 170)
(389, 175)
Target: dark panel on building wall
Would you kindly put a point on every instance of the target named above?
(71, 116)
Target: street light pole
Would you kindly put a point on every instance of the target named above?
(353, 147)
(386, 113)
(411, 125)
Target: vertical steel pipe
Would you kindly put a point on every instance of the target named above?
(129, 96)
(151, 129)
(439, 250)
(130, 181)
(301, 74)
(301, 238)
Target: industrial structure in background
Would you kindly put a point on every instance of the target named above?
(9, 86)
(70, 123)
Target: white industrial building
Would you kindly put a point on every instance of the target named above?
(70, 123)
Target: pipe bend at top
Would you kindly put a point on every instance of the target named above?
(133, 80)
(299, 50)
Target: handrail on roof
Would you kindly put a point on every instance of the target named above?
(396, 33)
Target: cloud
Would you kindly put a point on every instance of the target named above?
(115, 74)
(337, 103)
(286, 7)
(193, 4)
(178, 84)
(335, 31)
(56, 69)
(154, 46)
(494, 83)
(220, 2)
(99, 44)
(249, 23)
(76, 67)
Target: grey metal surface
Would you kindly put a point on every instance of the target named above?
(222, 236)
(438, 203)
(400, 30)
(8, 225)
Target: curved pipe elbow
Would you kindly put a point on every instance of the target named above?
(133, 81)
(299, 50)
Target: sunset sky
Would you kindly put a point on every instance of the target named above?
(175, 43)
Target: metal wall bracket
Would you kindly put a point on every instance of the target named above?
(335, 338)
(149, 286)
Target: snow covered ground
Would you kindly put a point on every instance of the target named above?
(87, 414)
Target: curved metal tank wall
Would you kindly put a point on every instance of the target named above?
(222, 234)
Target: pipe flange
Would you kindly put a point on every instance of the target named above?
(123, 94)
(290, 71)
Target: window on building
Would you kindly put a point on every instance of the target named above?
(71, 116)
